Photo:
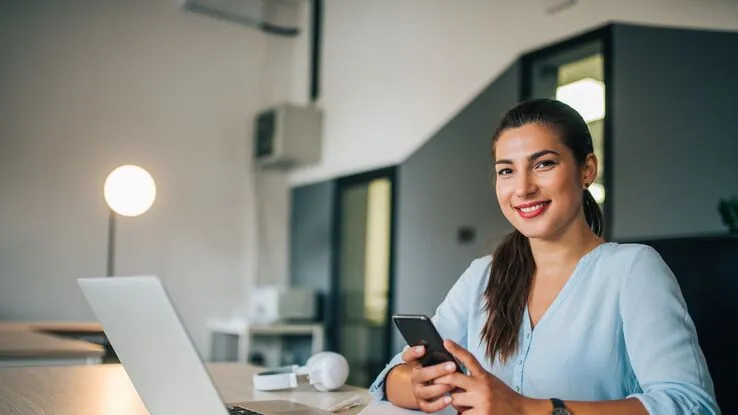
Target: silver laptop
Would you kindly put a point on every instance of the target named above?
(157, 353)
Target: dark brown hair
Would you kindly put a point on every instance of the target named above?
(512, 270)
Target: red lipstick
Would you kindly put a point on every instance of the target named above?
(532, 209)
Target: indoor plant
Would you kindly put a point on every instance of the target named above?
(728, 209)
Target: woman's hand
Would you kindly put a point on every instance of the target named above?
(479, 392)
(430, 396)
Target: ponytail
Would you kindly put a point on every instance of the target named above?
(506, 295)
(593, 213)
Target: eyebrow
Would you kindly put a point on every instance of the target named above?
(532, 157)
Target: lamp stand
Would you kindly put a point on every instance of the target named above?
(111, 243)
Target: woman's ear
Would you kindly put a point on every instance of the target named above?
(589, 170)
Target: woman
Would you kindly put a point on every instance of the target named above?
(560, 321)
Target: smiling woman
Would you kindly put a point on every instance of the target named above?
(544, 159)
(557, 320)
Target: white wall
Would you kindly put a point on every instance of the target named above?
(85, 86)
(396, 71)
(286, 78)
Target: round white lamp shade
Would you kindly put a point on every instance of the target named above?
(130, 190)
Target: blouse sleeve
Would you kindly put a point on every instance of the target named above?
(451, 319)
(661, 341)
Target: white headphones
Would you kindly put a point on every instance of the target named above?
(326, 371)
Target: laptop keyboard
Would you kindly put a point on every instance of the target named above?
(242, 411)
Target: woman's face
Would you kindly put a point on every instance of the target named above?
(538, 182)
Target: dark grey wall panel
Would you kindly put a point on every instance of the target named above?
(444, 186)
(311, 257)
(675, 130)
(311, 232)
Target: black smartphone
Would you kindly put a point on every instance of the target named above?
(418, 330)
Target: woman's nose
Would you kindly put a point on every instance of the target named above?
(525, 186)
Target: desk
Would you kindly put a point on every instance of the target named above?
(53, 327)
(92, 332)
(245, 332)
(22, 347)
(107, 390)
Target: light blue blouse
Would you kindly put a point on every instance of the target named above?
(619, 328)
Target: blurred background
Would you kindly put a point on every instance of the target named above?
(313, 166)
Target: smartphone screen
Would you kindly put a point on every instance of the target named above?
(418, 330)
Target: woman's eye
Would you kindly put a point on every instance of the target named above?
(504, 172)
(546, 163)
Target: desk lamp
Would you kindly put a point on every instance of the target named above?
(129, 191)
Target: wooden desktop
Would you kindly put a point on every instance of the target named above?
(26, 344)
(106, 389)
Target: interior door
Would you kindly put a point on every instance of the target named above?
(362, 284)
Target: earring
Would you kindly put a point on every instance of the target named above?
(586, 185)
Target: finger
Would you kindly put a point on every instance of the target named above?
(457, 380)
(434, 406)
(464, 399)
(461, 409)
(432, 392)
(411, 355)
(427, 374)
(464, 356)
